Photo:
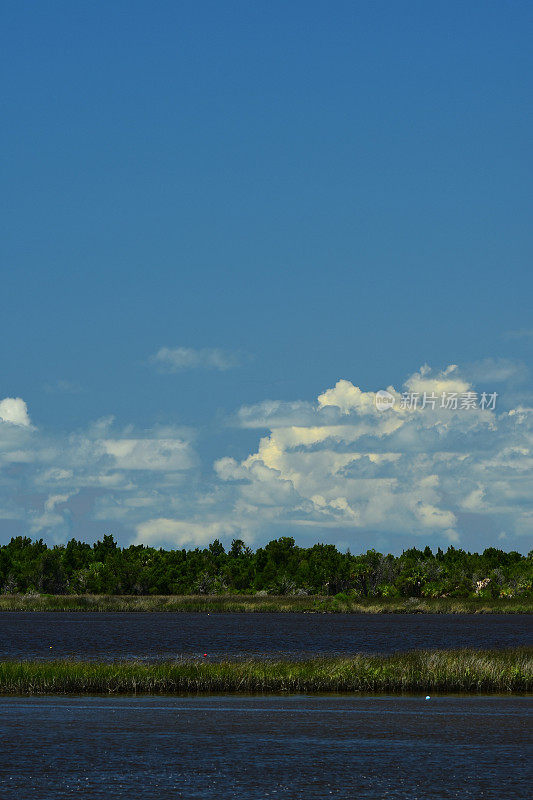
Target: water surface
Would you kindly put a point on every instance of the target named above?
(152, 636)
(235, 748)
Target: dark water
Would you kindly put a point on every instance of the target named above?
(167, 635)
(265, 747)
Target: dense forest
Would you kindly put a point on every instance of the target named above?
(280, 567)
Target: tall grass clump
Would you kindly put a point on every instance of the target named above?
(471, 671)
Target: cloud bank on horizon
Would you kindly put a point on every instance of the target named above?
(424, 470)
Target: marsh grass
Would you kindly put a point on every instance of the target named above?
(261, 604)
(471, 671)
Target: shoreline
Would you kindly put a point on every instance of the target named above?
(317, 604)
(466, 671)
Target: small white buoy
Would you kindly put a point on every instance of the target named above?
(428, 697)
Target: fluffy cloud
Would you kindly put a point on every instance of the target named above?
(56, 484)
(153, 454)
(447, 380)
(175, 359)
(409, 471)
(15, 411)
(348, 398)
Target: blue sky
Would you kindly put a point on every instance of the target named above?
(215, 212)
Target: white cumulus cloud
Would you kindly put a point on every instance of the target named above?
(15, 411)
(409, 471)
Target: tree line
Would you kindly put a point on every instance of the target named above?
(280, 567)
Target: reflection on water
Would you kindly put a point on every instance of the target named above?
(258, 747)
(171, 635)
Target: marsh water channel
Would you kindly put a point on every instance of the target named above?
(167, 636)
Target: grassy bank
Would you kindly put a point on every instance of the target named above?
(262, 604)
(473, 671)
